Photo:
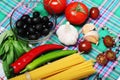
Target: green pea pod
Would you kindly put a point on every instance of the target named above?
(50, 56)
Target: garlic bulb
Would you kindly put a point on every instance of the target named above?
(87, 28)
(67, 34)
(92, 36)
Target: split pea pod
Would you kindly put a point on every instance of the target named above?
(50, 56)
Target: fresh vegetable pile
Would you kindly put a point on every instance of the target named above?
(50, 56)
(11, 49)
(75, 64)
(54, 61)
(21, 62)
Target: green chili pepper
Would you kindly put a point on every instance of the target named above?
(50, 56)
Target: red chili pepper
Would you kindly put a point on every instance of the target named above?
(26, 58)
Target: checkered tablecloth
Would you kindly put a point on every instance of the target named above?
(109, 18)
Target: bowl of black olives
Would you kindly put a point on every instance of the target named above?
(31, 22)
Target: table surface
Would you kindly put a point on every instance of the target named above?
(109, 18)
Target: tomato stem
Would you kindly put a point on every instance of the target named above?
(79, 8)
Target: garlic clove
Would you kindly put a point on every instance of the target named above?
(92, 33)
(92, 36)
(87, 28)
(91, 39)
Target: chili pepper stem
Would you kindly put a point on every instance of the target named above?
(24, 70)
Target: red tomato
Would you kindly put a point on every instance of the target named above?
(101, 59)
(84, 46)
(94, 12)
(76, 13)
(56, 6)
(110, 55)
(108, 41)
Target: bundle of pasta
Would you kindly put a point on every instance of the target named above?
(51, 68)
(77, 72)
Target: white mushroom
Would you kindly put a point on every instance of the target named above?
(67, 34)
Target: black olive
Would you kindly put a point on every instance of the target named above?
(39, 27)
(50, 24)
(19, 24)
(27, 34)
(31, 30)
(38, 34)
(21, 32)
(45, 31)
(44, 26)
(36, 20)
(45, 19)
(32, 37)
(25, 26)
(25, 17)
(36, 14)
(29, 20)
(32, 26)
